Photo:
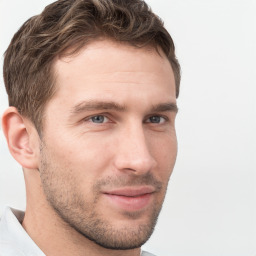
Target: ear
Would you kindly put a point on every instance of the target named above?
(22, 138)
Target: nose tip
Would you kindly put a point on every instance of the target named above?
(133, 154)
(137, 163)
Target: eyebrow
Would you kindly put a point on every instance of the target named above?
(96, 105)
(102, 105)
(163, 107)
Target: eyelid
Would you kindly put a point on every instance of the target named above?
(105, 119)
(109, 117)
(94, 115)
(166, 118)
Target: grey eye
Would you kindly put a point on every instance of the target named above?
(98, 119)
(155, 119)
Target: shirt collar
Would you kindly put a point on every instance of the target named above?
(13, 238)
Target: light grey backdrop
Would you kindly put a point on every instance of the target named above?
(210, 209)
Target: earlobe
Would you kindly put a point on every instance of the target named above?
(19, 138)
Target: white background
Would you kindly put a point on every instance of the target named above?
(210, 209)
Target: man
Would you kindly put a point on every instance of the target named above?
(92, 88)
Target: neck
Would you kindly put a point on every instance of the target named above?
(52, 234)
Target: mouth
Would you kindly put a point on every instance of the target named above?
(130, 199)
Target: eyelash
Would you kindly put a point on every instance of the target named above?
(90, 119)
(165, 118)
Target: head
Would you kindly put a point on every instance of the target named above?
(97, 81)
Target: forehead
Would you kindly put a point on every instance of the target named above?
(107, 68)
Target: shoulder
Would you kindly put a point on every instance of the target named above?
(9, 249)
(8, 246)
(144, 253)
(14, 241)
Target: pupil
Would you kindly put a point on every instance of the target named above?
(98, 119)
(155, 119)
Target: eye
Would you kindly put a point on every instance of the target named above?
(98, 119)
(156, 120)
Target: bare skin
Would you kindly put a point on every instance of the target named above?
(97, 177)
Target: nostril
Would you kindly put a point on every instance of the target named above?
(135, 164)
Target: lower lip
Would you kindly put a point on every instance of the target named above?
(130, 203)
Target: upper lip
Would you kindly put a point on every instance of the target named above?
(131, 191)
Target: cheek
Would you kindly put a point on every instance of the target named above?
(87, 156)
(164, 150)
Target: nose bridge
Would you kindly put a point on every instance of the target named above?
(133, 151)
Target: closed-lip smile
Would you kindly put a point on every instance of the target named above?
(131, 191)
(130, 198)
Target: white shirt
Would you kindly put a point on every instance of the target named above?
(14, 241)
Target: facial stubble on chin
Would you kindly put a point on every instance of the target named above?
(62, 193)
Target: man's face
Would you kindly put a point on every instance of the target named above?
(109, 143)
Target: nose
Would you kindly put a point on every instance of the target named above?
(133, 151)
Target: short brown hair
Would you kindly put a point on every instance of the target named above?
(67, 24)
